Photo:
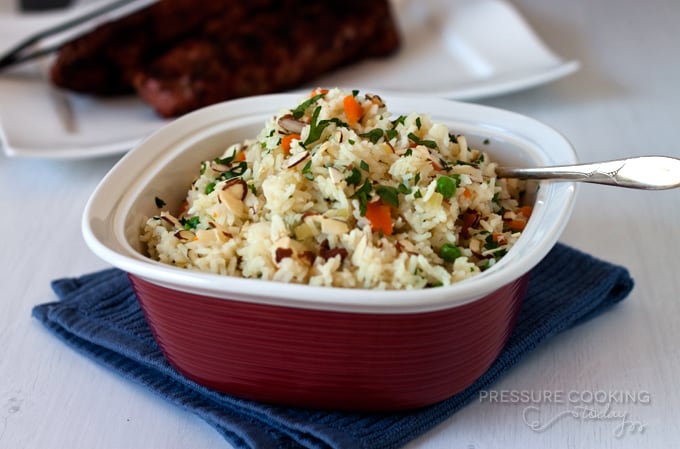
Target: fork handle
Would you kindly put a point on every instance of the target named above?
(644, 172)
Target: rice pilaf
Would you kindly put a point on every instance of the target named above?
(338, 192)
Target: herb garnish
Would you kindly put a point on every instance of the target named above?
(159, 202)
(362, 195)
(364, 165)
(316, 127)
(354, 179)
(399, 121)
(401, 188)
(307, 170)
(418, 141)
(388, 194)
(302, 107)
(373, 135)
(235, 171)
(190, 223)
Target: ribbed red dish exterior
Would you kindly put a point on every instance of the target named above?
(327, 359)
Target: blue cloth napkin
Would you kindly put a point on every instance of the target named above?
(98, 315)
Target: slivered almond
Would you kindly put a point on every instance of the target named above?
(171, 220)
(219, 168)
(291, 124)
(236, 187)
(476, 246)
(297, 158)
(184, 235)
(338, 136)
(232, 195)
(375, 99)
(335, 175)
(333, 226)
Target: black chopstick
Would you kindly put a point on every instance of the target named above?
(18, 54)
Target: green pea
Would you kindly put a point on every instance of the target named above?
(449, 252)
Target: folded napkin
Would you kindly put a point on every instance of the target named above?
(98, 315)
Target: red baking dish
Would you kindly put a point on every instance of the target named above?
(336, 348)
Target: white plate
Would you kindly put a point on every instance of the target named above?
(454, 49)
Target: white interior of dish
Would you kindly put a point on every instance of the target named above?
(166, 163)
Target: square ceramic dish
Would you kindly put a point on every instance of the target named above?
(322, 347)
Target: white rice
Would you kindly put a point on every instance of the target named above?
(306, 223)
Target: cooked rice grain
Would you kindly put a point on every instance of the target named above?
(387, 203)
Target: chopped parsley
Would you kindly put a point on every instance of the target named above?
(417, 140)
(307, 170)
(335, 120)
(159, 202)
(190, 223)
(399, 121)
(354, 179)
(364, 165)
(391, 134)
(490, 243)
(225, 160)
(418, 123)
(302, 107)
(362, 195)
(315, 127)
(389, 195)
(373, 135)
(235, 171)
(401, 188)
(209, 188)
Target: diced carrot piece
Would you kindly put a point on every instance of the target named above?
(467, 193)
(517, 225)
(240, 157)
(525, 211)
(287, 140)
(353, 109)
(436, 166)
(318, 91)
(380, 217)
(499, 238)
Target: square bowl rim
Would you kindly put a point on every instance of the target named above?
(105, 211)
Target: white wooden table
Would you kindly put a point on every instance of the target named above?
(624, 101)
